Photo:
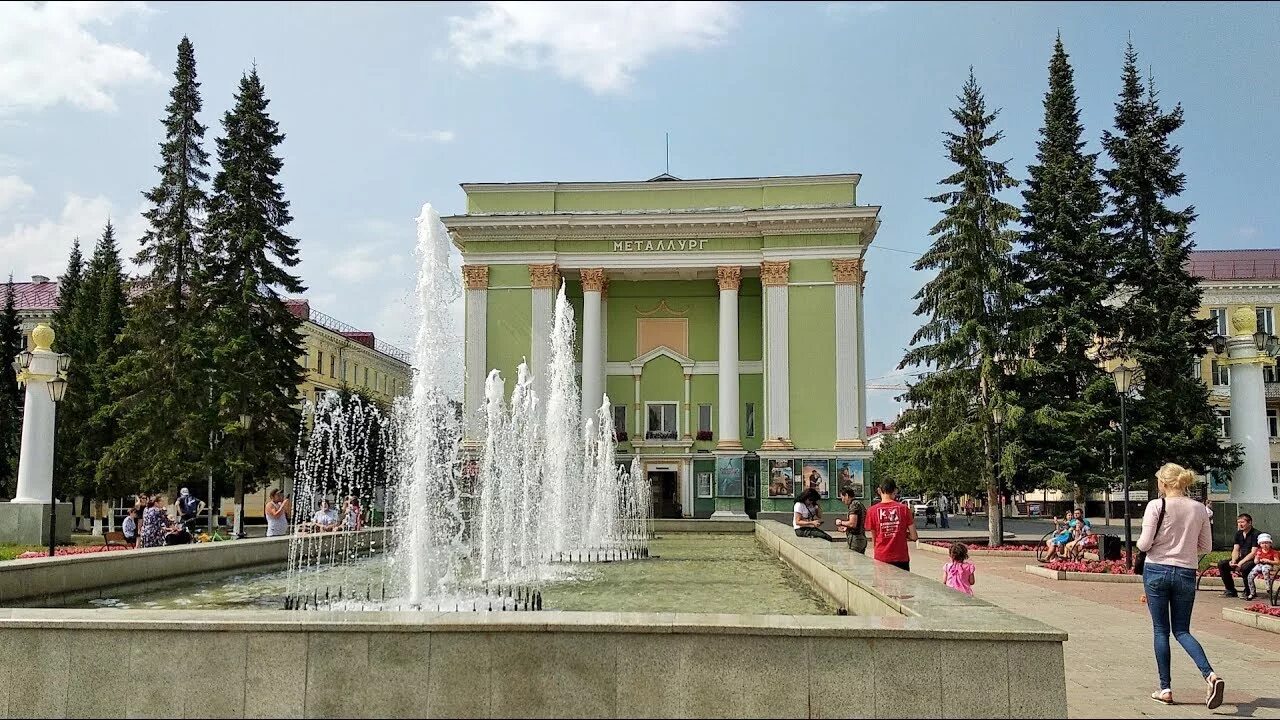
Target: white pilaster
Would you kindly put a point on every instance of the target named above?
(592, 335)
(729, 278)
(637, 432)
(544, 281)
(848, 329)
(1251, 482)
(688, 426)
(862, 362)
(35, 460)
(476, 278)
(777, 355)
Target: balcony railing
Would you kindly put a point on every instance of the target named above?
(327, 321)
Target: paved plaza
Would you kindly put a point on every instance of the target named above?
(1110, 667)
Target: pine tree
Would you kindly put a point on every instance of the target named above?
(966, 336)
(106, 276)
(10, 394)
(161, 385)
(1172, 419)
(71, 337)
(253, 338)
(1067, 265)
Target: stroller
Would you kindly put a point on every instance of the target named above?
(185, 535)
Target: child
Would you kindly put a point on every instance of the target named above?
(1265, 558)
(958, 573)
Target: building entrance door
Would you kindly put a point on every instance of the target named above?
(663, 486)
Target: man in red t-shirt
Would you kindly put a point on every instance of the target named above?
(891, 525)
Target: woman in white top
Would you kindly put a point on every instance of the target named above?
(278, 511)
(806, 516)
(1173, 544)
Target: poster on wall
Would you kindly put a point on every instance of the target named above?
(704, 485)
(814, 474)
(729, 477)
(849, 474)
(781, 479)
(1217, 482)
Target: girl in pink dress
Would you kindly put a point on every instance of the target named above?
(959, 573)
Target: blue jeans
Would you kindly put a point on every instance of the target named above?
(1171, 594)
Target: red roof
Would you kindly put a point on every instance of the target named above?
(1235, 264)
(36, 296)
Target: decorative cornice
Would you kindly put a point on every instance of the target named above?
(848, 272)
(476, 276)
(692, 184)
(729, 277)
(662, 306)
(592, 279)
(544, 277)
(774, 273)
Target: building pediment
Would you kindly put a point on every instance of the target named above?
(686, 363)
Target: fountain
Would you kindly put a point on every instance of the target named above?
(548, 489)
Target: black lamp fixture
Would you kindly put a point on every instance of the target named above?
(57, 389)
(1219, 344)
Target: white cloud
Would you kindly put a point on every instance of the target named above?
(599, 44)
(14, 191)
(362, 262)
(436, 136)
(42, 247)
(48, 55)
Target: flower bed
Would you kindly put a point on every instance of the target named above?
(981, 547)
(1102, 567)
(1213, 573)
(1263, 609)
(72, 550)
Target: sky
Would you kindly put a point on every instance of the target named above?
(386, 106)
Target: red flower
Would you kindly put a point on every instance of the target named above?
(1263, 609)
(72, 550)
(1108, 567)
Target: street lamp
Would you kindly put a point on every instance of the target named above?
(245, 423)
(1124, 374)
(997, 419)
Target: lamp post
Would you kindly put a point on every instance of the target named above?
(1123, 374)
(44, 375)
(997, 418)
(246, 422)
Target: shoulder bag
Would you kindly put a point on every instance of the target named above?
(1140, 557)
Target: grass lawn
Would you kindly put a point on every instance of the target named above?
(1213, 558)
(9, 552)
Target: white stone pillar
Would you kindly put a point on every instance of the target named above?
(35, 461)
(476, 278)
(862, 359)
(1251, 482)
(544, 281)
(729, 278)
(604, 335)
(637, 432)
(688, 425)
(848, 277)
(777, 356)
(592, 334)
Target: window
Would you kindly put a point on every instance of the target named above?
(1219, 373)
(1275, 480)
(1219, 317)
(620, 418)
(1265, 320)
(704, 417)
(1197, 371)
(662, 421)
(1224, 424)
(366, 377)
(333, 366)
(319, 361)
(344, 370)
(704, 485)
(751, 419)
(1273, 422)
(1268, 373)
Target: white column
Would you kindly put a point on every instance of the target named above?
(592, 334)
(777, 355)
(544, 281)
(604, 335)
(862, 362)
(1251, 482)
(688, 426)
(35, 461)
(848, 278)
(637, 433)
(729, 278)
(477, 321)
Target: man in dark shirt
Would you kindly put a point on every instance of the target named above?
(1246, 540)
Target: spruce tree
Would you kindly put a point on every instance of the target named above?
(1067, 264)
(72, 334)
(1172, 419)
(161, 387)
(10, 394)
(966, 338)
(253, 338)
(106, 277)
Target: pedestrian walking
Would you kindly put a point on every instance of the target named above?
(892, 524)
(1175, 532)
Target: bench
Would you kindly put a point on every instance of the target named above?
(115, 538)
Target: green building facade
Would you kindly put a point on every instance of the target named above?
(722, 319)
